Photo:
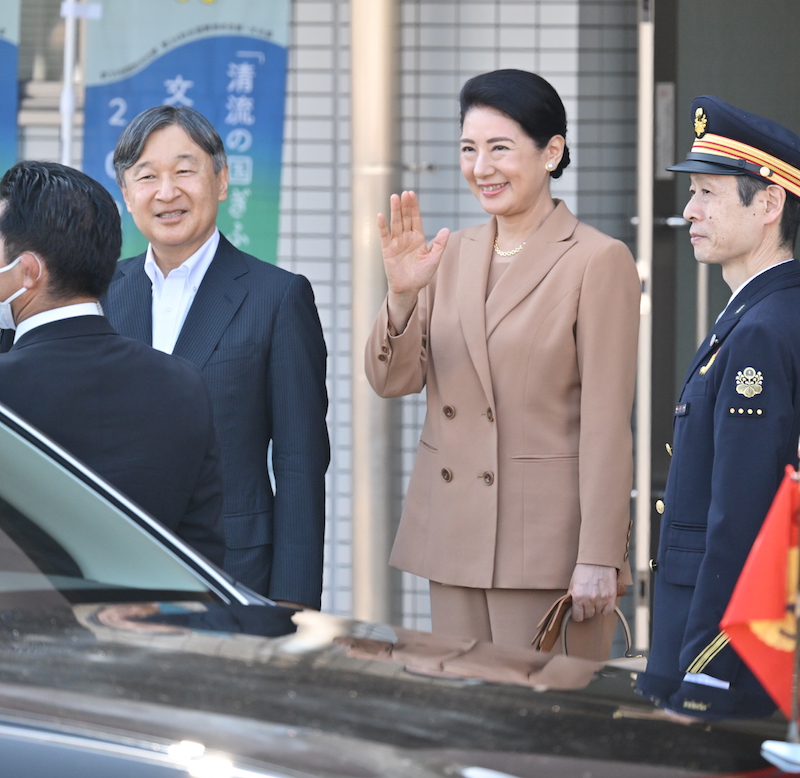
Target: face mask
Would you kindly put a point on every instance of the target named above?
(6, 317)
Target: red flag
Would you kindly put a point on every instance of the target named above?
(760, 618)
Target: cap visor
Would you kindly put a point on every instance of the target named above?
(710, 168)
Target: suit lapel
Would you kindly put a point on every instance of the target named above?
(132, 300)
(219, 297)
(475, 255)
(711, 344)
(527, 270)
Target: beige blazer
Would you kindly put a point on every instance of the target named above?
(524, 465)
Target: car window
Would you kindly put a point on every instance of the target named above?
(57, 533)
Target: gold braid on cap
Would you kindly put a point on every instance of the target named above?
(776, 170)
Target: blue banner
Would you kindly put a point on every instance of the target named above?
(9, 48)
(226, 59)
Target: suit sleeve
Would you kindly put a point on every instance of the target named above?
(201, 525)
(396, 365)
(300, 447)
(607, 339)
(751, 448)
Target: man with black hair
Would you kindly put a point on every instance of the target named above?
(253, 331)
(139, 418)
(737, 419)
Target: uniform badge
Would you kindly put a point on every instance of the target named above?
(704, 369)
(749, 382)
(700, 122)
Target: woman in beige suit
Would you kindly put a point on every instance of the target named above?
(523, 331)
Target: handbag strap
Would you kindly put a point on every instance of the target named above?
(622, 620)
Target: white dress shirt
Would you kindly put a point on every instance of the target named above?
(173, 295)
(57, 314)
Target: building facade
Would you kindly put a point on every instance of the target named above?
(585, 48)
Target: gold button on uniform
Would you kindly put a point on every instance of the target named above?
(488, 478)
(669, 448)
(447, 476)
(449, 411)
(660, 506)
(653, 565)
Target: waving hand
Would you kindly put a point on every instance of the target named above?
(407, 259)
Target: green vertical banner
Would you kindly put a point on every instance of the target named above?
(9, 50)
(224, 58)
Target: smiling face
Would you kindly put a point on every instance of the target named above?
(173, 194)
(723, 231)
(502, 164)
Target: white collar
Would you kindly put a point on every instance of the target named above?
(57, 314)
(742, 286)
(197, 263)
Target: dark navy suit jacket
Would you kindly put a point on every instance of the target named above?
(139, 418)
(254, 332)
(736, 427)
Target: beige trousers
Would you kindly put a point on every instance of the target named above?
(508, 617)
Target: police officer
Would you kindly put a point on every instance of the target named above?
(737, 420)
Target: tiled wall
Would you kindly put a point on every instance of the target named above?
(586, 49)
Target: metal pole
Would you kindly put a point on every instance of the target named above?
(644, 262)
(702, 302)
(67, 102)
(374, 68)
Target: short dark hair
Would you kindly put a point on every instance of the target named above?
(66, 218)
(525, 97)
(135, 136)
(748, 186)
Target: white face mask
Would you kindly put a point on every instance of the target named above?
(6, 316)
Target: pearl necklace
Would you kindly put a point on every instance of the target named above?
(507, 253)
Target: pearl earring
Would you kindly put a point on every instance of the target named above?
(549, 165)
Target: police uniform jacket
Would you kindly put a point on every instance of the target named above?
(736, 427)
(524, 464)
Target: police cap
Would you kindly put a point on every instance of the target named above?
(732, 142)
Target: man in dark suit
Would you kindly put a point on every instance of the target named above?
(254, 332)
(139, 418)
(737, 420)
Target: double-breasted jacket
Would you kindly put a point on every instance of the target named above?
(524, 464)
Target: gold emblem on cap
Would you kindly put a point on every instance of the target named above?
(749, 382)
(765, 171)
(700, 122)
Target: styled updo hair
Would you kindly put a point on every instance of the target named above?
(524, 97)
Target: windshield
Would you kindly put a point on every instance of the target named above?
(59, 535)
